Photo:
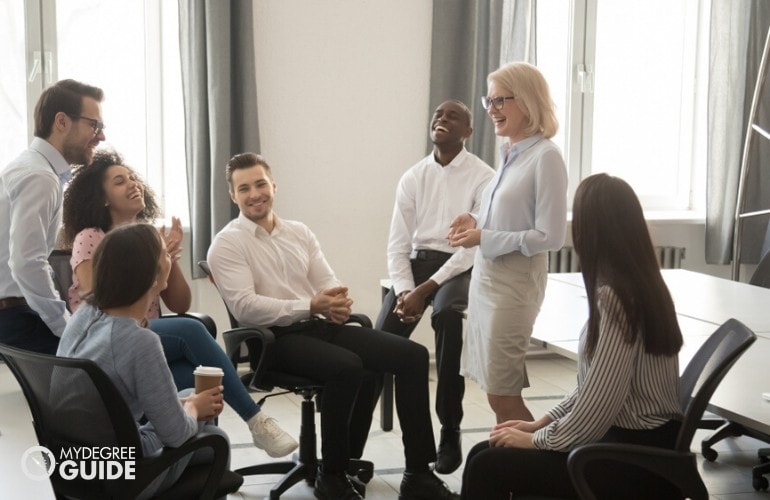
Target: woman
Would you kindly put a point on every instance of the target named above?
(628, 369)
(107, 194)
(523, 216)
(130, 267)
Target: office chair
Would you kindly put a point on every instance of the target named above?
(265, 376)
(62, 278)
(677, 466)
(74, 404)
(760, 277)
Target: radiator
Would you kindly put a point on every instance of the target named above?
(566, 261)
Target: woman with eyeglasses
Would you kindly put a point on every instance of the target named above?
(107, 194)
(523, 215)
(628, 367)
(130, 267)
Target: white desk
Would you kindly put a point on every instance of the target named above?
(706, 298)
(702, 304)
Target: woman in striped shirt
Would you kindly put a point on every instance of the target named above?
(628, 371)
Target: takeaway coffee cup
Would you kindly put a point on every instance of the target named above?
(207, 377)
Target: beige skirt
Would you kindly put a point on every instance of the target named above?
(503, 301)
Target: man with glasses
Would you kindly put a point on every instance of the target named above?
(425, 270)
(68, 128)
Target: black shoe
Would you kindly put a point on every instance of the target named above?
(335, 487)
(450, 453)
(425, 486)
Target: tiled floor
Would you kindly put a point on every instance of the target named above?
(551, 377)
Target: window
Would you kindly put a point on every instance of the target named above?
(131, 51)
(630, 88)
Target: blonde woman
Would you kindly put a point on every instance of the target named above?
(523, 215)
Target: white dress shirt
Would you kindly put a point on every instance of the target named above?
(429, 196)
(30, 216)
(268, 279)
(524, 207)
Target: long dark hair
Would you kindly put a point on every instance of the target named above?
(613, 243)
(84, 199)
(125, 265)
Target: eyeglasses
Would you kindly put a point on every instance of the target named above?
(497, 102)
(96, 125)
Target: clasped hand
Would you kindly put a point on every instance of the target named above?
(333, 303)
(463, 232)
(513, 434)
(409, 306)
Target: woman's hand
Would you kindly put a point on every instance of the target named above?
(173, 238)
(510, 437)
(461, 223)
(521, 425)
(467, 239)
(205, 405)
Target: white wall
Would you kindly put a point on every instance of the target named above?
(343, 96)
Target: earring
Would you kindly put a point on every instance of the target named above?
(106, 203)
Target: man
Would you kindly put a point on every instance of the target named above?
(68, 127)
(272, 272)
(425, 270)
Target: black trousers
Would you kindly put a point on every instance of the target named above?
(349, 361)
(24, 328)
(448, 303)
(503, 473)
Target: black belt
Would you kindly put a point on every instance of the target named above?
(9, 302)
(429, 255)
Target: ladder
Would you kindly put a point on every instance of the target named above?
(753, 132)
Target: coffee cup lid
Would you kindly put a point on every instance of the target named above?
(208, 370)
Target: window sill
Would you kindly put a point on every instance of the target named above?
(658, 217)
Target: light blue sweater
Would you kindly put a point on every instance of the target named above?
(133, 359)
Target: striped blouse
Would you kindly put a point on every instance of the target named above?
(621, 386)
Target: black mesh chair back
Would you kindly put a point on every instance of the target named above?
(677, 466)
(74, 404)
(706, 370)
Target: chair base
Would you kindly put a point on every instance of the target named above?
(304, 464)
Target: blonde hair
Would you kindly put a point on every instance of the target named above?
(527, 84)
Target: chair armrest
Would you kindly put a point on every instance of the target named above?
(361, 319)
(147, 469)
(204, 318)
(679, 468)
(260, 346)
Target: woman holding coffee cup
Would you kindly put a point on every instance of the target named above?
(130, 267)
(107, 194)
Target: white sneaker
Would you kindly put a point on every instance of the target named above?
(269, 437)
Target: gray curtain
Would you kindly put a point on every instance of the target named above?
(738, 32)
(220, 102)
(472, 38)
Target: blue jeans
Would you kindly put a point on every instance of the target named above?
(187, 344)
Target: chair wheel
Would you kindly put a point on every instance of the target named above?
(759, 483)
(709, 453)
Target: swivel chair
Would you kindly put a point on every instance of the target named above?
(264, 375)
(676, 466)
(74, 405)
(760, 277)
